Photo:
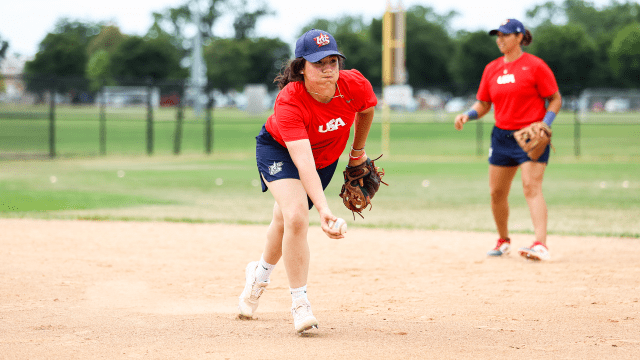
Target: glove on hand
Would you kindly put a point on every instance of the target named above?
(361, 183)
(534, 139)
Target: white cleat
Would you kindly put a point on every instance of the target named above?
(502, 248)
(303, 318)
(537, 252)
(251, 293)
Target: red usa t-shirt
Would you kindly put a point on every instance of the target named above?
(299, 116)
(517, 89)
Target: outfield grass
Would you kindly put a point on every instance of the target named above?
(437, 180)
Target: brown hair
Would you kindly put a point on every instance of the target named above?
(527, 38)
(292, 71)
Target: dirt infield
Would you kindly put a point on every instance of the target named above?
(130, 290)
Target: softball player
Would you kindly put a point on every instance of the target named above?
(518, 85)
(297, 153)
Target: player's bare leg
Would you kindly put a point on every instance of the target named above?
(292, 201)
(273, 248)
(500, 179)
(532, 174)
(293, 208)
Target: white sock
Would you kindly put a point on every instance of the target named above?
(299, 293)
(264, 270)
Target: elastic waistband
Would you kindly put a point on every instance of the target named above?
(502, 132)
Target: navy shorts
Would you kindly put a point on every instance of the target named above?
(274, 163)
(505, 151)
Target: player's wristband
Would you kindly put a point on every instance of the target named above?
(473, 114)
(357, 157)
(549, 117)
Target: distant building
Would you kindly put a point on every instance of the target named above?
(11, 74)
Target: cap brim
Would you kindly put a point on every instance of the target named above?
(496, 31)
(315, 57)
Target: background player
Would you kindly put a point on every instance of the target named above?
(517, 84)
(297, 153)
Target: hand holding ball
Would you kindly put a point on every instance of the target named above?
(339, 225)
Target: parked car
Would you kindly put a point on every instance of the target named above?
(456, 104)
(617, 105)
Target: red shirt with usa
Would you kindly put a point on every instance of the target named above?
(299, 116)
(517, 90)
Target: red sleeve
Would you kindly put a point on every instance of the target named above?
(545, 80)
(483, 90)
(361, 90)
(290, 114)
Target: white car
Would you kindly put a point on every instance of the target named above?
(617, 105)
(455, 105)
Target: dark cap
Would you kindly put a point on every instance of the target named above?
(509, 26)
(315, 45)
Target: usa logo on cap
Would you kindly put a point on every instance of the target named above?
(322, 40)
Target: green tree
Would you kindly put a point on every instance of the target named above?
(624, 55)
(227, 64)
(99, 70)
(569, 52)
(61, 60)
(4, 45)
(99, 50)
(64, 51)
(266, 56)
(137, 57)
(600, 24)
(108, 39)
(246, 18)
(429, 49)
(474, 50)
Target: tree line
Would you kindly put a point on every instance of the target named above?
(584, 46)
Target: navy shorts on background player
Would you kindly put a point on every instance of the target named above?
(274, 163)
(505, 150)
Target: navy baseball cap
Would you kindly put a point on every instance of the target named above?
(316, 45)
(509, 26)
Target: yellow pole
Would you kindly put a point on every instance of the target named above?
(387, 73)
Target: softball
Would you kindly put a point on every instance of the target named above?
(340, 225)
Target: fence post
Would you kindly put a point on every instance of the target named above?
(52, 120)
(576, 132)
(479, 134)
(149, 117)
(103, 121)
(208, 125)
(177, 136)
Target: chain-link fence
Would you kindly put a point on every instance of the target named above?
(53, 116)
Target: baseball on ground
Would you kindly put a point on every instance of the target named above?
(340, 224)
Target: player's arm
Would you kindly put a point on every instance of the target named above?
(555, 103)
(362, 126)
(302, 156)
(478, 110)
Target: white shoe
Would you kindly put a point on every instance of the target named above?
(251, 293)
(303, 318)
(537, 251)
(502, 248)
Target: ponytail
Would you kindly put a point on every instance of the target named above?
(527, 38)
(292, 72)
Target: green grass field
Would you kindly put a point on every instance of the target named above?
(436, 179)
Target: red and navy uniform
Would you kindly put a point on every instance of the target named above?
(299, 116)
(517, 90)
